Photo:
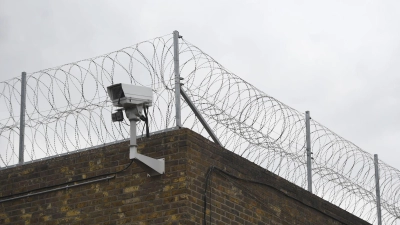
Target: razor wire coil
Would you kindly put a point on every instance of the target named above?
(67, 109)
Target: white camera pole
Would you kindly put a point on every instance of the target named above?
(153, 166)
(22, 119)
(132, 143)
(177, 80)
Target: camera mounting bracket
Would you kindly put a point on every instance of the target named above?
(152, 166)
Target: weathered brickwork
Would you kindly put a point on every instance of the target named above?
(236, 200)
(174, 198)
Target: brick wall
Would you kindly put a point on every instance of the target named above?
(174, 198)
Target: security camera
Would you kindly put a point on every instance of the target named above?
(128, 95)
(135, 100)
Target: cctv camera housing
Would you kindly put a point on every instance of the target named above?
(128, 95)
(117, 116)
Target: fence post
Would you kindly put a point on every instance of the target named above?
(22, 119)
(308, 140)
(378, 192)
(177, 80)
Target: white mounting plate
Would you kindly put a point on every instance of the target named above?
(153, 166)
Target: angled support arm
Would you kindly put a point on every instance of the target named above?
(200, 117)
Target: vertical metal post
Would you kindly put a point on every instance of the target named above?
(378, 192)
(22, 119)
(177, 80)
(308, 140)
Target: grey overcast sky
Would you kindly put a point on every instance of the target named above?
(338, 59)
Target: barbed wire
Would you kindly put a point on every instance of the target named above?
(67, 109)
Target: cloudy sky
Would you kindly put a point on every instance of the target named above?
(338, 59)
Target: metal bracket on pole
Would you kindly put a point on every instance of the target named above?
(177, 80)
(200, 117)
(22, 119)
(179, 91)
(308, 140)
(378, 192)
